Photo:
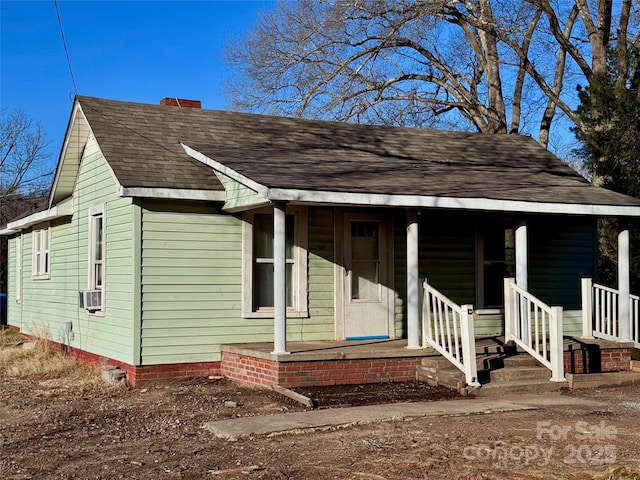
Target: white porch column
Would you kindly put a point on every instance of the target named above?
(623, 286)
(522, 254)
(413, 281)
(587, 307)
(279, 278)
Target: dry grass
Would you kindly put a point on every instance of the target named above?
(54, 370)
(42, 360)
(9, 338)
(34, 358)
(42, 333)
(22, 362)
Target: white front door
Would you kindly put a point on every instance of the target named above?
(367, 290)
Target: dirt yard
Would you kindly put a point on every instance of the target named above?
(59, 421)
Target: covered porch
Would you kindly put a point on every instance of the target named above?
(536, 249)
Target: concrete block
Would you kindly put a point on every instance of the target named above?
(455, 380)
(113, 375)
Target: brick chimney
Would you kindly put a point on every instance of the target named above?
(181, 102)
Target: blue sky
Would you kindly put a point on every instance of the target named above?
(139, 51)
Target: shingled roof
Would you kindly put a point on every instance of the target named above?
(142, 144)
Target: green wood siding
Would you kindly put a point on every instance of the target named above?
(239, 196)
(12, 306)
(446, 256)
(494, 324)
(562, 250)
(321, 324)
(192, 283)
(400, 272)
(48, 304)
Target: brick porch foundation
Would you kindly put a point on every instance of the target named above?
(593, 359)
(260, 371)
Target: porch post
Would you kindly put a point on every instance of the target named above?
(279, 278)
(522, 254)
(413, 280)
(624, 299)
(587, 308)
(510, 324)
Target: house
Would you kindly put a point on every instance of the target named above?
(172, 232)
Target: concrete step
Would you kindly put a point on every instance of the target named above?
(602, 380)
(483, 362)
(496, 349)
(509, 374)
(517, 387)
(523, 360)
(490, 362)
(453, 379)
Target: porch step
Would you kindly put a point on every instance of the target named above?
(486, 362)
(511, 374)
(450, 378)
(602, 380)
(524, 360)
(517, 374)
(499, 374)
(515, 387)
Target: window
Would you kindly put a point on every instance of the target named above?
(365, 261)
(258, 263)
(97, 249)
(40, 262)
(18, 268)
(496, 261)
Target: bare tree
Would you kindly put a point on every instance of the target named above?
(24, 172)
(498, 66)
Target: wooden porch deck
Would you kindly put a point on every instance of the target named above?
(371, 361)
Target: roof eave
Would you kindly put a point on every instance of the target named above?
(459, 203)
(64, 209)
(172, 193)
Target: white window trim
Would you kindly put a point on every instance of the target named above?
(95, 211)
(300, 260)
(18, 268)
(41, 259)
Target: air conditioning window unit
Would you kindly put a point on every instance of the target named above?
(90, 300)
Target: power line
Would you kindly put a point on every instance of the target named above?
(66, 51)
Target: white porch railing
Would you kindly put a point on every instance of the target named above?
(535, 327)
(601, 316)
(448, 328)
